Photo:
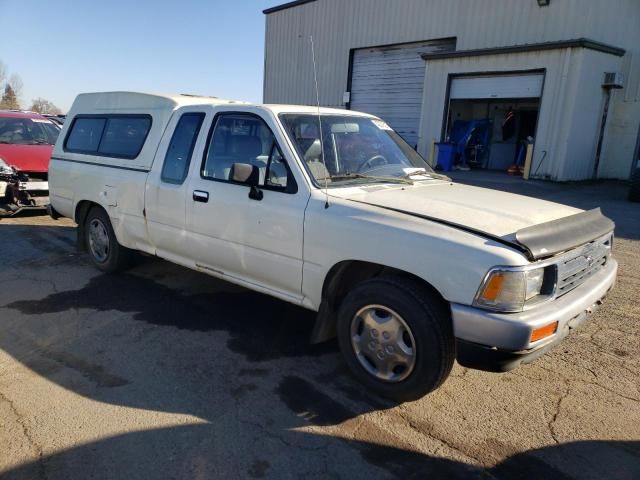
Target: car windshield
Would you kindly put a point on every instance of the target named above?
(356, 150)
(27, 131)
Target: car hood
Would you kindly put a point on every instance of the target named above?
(27, 158)
(493, 212)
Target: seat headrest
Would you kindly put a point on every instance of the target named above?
(314, 152)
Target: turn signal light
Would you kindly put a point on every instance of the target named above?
(493, 287)
(544, 332)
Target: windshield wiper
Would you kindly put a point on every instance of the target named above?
(352, 176)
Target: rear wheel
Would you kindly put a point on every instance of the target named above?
(103, 247)
(396, 337)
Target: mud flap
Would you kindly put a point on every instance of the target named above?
(81, 243)
(325, 325)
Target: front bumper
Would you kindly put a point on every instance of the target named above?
(501, 341)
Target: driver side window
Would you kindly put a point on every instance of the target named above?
(246, 138)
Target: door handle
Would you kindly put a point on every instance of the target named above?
(200, 196)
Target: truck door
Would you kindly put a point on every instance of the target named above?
(167, 189)
(256, 239)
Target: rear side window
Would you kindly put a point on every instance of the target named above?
(124, 137)
(178, 158)
(85, 134)
(119, 136)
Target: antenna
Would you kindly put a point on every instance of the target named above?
(315, 78)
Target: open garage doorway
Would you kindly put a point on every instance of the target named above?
(491, 119)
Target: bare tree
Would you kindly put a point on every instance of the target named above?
(3, 72)
(16, 85)
(9, 100)
(42, 105)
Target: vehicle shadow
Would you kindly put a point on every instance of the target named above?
(240, 364)
(132, 456)
(167, 340)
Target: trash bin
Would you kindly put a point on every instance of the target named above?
(445, 155)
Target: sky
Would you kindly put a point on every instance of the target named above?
(63, 47)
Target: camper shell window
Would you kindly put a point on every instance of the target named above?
(118, 136)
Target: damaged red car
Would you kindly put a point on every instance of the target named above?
(26, 143)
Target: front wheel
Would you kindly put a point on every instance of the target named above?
(396, 337)
(103, 247)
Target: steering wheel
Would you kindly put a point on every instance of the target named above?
(374, 161)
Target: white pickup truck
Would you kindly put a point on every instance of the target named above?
(331, 210)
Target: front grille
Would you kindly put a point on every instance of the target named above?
(38, 176)
(578, 266)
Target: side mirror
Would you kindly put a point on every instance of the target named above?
(248, 175)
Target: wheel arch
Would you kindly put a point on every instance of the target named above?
(79, 216)
(341, 278)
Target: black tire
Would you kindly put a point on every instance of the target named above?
(429, 320)
(117, 257)
(634, 191)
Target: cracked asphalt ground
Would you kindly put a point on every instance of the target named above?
(162, 372)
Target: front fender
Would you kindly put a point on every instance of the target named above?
(453, 261)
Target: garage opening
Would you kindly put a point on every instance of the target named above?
(491, 121)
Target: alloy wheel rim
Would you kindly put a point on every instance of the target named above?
(383, 343)
(98, 240)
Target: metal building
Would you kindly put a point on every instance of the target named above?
(564, 74)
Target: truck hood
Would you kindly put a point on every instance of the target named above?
(496, 213)
(27, 158)
(537, 228)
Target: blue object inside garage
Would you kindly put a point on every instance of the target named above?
(471, 140)
(445, 156)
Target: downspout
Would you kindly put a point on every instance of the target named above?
(555, 119)
(603, 126)
(561, 110)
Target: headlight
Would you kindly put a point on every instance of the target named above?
(533, 283)
(508, 290)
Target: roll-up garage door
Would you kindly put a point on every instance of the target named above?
(388, 82)
(497, 86)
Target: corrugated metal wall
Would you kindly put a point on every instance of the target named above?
(341, 25)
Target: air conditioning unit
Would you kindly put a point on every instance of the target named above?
(613, 80)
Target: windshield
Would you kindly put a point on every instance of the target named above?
(27, 131)
(356, 149)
